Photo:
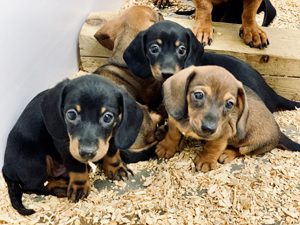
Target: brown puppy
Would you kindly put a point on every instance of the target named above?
(231, 11)
(116, 35)
(217, 108)
(250, 31)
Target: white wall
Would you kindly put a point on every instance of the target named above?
(38, 48)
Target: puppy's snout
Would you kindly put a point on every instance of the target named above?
(208, 127)
(209, 124)
(88, 151)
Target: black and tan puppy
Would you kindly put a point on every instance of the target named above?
(232, 11)
(208, 103)
(116, 34)
(167, 47)
(62, 129)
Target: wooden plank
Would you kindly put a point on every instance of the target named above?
(285, 86)
(279, 63)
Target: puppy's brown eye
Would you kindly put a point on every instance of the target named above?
(181, 50)
(154, 49)
(107, 118)
(229, 104)
(198, 95)
(71, 114)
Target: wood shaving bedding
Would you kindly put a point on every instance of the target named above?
(251, 190)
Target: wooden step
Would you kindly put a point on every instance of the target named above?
(279, 63)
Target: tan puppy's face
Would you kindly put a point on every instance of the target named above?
(207, 102)
(211, 104)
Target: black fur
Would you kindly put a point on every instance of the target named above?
(138, 58)
(43, 129)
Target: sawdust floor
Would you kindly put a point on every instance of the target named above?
(250, 190)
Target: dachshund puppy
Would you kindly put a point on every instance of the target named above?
(232, 11)
(62, 129)
(208, 103)
(116, 35)
(166, 47)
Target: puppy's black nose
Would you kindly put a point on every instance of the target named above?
(88, 152)
(208, 127)
(166, 75)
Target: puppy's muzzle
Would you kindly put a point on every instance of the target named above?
(209, 124)
(208, 127)
(88, 151)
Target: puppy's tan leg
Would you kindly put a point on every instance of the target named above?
(79, 185)
(207, 159)
(169, 145)
(203, 21)
(228, 155)
(252, 34)
(114, 168)
(57, 187)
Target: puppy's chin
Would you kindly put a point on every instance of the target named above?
(204, 136)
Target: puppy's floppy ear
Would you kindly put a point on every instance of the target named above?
(242, 105)
(195, 50)
(107, 34)
(129, 127)
(135, 57)
(175, 90)
(52, 110)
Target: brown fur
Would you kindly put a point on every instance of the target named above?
(250, 30)
(114, 168)
(120, 32)
(58, 186)
(79, 184)
(252, 34)
(239, 130)
(116, 35)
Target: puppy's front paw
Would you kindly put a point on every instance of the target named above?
(79, 186)
(228, 156)
(165, 149)
(254, 36)
(203, 33)
(117, 172)
(205, 164)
